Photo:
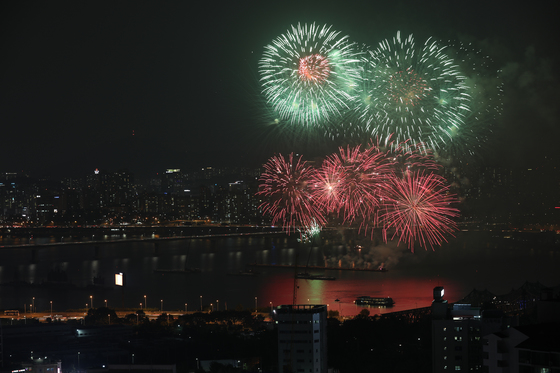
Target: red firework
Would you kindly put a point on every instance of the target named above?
(285, 184)
(326, 191)
(314, 68)
(418, 208)
(350, 182)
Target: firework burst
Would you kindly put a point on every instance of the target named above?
(349, 183)
(418, 208)
(308, 234)
(308, 74)
(391, 188)
(285, 185)
(414, 93)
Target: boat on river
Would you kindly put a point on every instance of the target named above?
(309, 276)
(377, 269)
(374, 302)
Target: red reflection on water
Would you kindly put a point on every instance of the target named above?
(407, 293)
(278, 289)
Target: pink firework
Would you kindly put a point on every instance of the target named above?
(314, 68)
(285, 184)
(418, 208)
(326, 187)
(350, 183)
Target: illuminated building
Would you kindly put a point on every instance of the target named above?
(302, 338)
(173, 181)
(40, 365)
(457, 332)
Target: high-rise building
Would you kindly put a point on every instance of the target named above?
(457, 332)
(302, 338)
(173, 181)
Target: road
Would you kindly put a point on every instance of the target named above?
(78, 315)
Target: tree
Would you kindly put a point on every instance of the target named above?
(364, 314)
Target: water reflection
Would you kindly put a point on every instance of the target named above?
(459, 266)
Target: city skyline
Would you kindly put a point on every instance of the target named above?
(323, 168)
(147, 87)
(509, 198)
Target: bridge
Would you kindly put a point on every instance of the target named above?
(104, 235)
(144, 231)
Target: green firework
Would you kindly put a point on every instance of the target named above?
(411, 92)
(309, 76)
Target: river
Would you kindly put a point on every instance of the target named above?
(481, 260)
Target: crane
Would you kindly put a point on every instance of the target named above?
(294, 298)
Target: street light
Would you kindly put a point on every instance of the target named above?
(255, 304)
(91, 300)
(145, 302)
(105, 303)
(140, 305)
(201, 303)
(270, 307)
(162, 305)
(186, 307)
(51, 309)
(109, 318)
(217, 305)
(33, 305)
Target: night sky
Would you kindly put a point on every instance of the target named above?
(152, 85)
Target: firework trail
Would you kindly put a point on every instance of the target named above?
(418, 208)
(285, 185)
(308, 74)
